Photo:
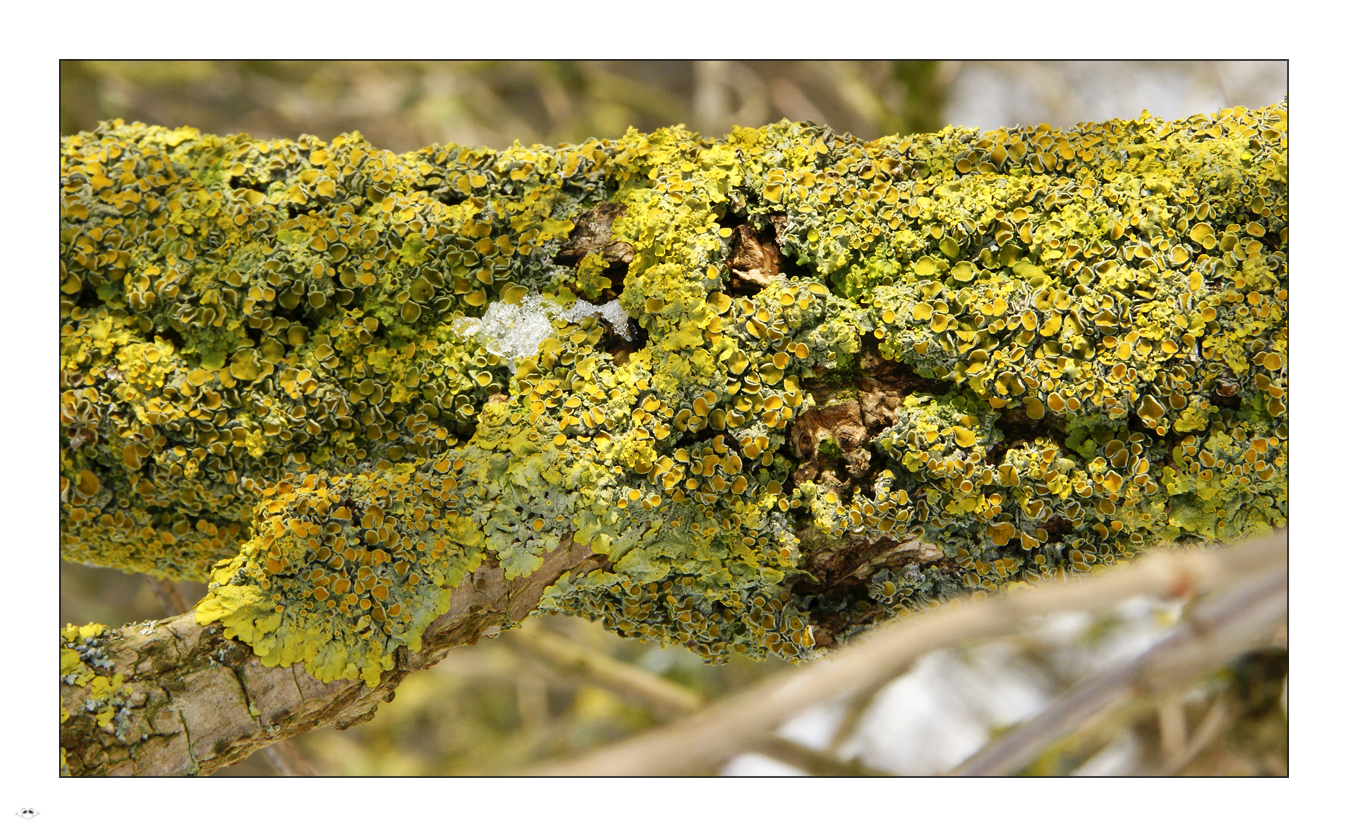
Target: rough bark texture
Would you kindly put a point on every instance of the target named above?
(198, 701)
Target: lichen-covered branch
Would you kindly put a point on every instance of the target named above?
(174, 697)
(785, 383)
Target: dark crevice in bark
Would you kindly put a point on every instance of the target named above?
(1056, 527)
(780, 223)
(1017, 429)
(834, 589)
(171, 334)
(239, 183)
(621, 348)
(593, 233)
(705, 434)
(87, 298)
(902, 378)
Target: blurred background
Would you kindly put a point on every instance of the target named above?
(403, 106)
(558, 687)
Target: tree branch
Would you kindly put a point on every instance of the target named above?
(196, 701)
(284, 758)
(832, 381)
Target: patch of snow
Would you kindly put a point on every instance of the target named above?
(516, 331)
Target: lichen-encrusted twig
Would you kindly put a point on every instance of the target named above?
(174, 697)
(855, 378)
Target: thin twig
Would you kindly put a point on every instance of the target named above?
(857, 706)
(1215, 71)
(170, 598)
(812, 761)
(721, 730)
(1212, 725)
(1170, 726)
(531, 699)
(661, 696)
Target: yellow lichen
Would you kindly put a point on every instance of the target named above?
(263, 384)
(107, 698)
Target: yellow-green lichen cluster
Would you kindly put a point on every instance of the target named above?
(267, 379)
(1127, 280)
(107, 703)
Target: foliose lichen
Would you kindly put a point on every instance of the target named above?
(108, 701)
(263, 383)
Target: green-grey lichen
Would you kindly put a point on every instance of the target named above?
(263, 385)
(108, 701)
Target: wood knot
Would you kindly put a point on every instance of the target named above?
(839, 423)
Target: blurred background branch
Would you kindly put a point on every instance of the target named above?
(662, 697)
(1213, 633)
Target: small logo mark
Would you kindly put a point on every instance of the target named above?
(26, 813)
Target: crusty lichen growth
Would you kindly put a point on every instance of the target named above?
(82, 658)
(263, 382)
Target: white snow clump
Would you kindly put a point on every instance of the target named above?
(515, 331)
